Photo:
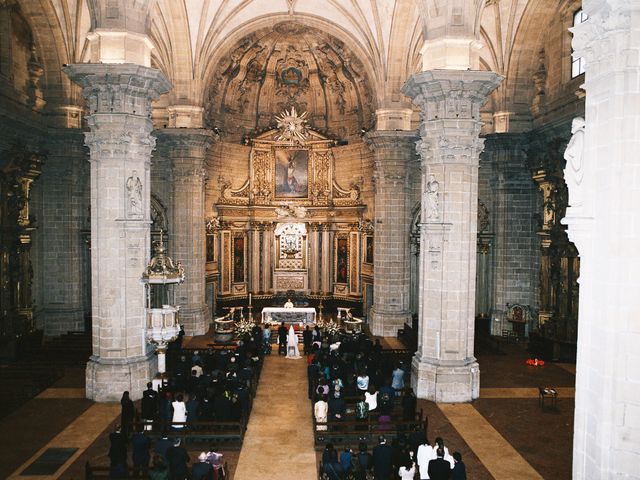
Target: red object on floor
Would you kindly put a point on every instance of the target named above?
(535, 362)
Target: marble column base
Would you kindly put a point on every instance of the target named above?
(107, 379)
(445, 382)
(387, 324)
(58, 321)
(195, 320)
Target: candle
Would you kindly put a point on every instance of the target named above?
(249, 299)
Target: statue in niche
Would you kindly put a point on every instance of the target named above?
(574, 170)
(433, 191)
(134, 192)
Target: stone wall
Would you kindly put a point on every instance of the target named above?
(511, 197)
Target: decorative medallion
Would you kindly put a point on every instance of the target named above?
(292, 126)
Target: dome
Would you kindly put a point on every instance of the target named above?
(290, 66)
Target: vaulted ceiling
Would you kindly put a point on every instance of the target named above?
(193, 38)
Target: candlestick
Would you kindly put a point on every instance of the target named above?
(249, 299)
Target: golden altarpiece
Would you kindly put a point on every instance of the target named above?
(291, 226)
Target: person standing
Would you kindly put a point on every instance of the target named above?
(424, 455)
(127, 414)
(149, 406)
(266, 339)
(459, 471)
(408, 470)
(382, 459)
(179, 412)
(177, 458)
(282, 339)
(439, 468)
(140, 445)
(293, 351)
(118, 454)
(307, 340)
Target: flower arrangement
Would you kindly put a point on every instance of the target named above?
(243, 327)
(331, 327)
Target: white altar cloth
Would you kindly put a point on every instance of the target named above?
(295, 314)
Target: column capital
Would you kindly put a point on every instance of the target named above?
(124, 88)
(605, 36)
(396, 141)
(450, 103)
(448, 94)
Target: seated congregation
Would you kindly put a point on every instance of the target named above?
(361, 397)
(205, 401)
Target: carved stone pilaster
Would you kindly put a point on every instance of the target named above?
(444, 369)
(186, 150)
(393, 158)
(120, 144)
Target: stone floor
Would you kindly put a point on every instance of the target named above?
(503, 435)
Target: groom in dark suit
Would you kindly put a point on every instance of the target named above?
(282, 339)
(439, 468)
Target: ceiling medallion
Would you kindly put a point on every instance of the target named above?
(292, 126)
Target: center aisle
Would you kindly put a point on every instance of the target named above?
(278, 443)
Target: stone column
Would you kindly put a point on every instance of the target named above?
(314, 258)
(392, 155)
(187, 148)
(268, 250)
(65, 206)
(603, 219)
(327, 258)
(254, 257)
(444, 368)
(120, 143)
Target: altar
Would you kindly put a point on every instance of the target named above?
(291, 315)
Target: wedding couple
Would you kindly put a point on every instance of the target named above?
(293, 351)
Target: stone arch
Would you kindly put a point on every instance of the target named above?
(523, 62)
(49, 42)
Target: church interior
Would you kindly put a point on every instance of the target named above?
(422, 173)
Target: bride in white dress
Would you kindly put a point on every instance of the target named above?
(292, 344)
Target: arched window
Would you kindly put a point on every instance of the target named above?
(577, 63)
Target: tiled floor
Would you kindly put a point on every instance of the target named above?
(503, 430)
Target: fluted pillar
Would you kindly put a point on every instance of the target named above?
(186, 148)
(444, 368)
(603, 219)
(392, 155)
(120, 143)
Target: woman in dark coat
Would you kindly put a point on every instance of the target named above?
(128, 412)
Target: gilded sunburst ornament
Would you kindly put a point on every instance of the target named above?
(292, 126)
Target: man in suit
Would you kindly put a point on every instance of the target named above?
(382, 459)
(439, 468)
(282, 339)
(177, 458)
(149, 406)
(307, 340)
